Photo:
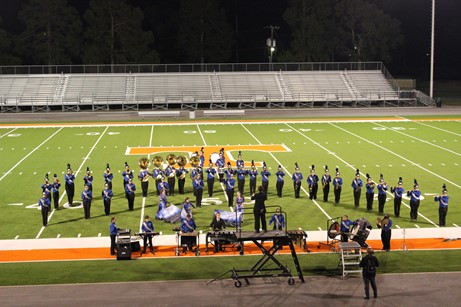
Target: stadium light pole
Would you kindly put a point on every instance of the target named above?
(431, 81)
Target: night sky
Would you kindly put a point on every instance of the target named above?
(249, 18)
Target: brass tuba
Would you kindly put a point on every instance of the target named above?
(194, 161)
(144, 163)
(171, 159)
(157, 161)
(181, 160)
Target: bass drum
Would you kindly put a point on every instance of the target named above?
(333, 231)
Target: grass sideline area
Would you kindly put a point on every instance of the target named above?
(207, 268)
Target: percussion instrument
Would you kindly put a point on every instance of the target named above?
(334, 230)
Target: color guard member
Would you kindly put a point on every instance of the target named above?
(202, 158)
(239, 200)
(162, 201)
(186, 208)
(163, 185)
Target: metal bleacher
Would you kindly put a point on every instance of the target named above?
(295, 85)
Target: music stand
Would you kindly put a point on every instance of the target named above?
(333, 230)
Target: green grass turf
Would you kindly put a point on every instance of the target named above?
(207, 268)
(427, 151)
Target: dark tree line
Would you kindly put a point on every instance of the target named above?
(116, 32)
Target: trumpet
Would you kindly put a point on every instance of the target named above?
(171, 159)
(157, 161)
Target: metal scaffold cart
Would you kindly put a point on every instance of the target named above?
(350, 256)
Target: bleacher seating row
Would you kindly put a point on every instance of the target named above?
(191, 91)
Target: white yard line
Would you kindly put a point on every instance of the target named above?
(25, 157)
(349, 165)
(1, 136)
(397, 155)
(433, 127)
(76, 173)
(201, 134)
(289, 174)
(421, 140)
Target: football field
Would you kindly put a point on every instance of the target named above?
(422, 148)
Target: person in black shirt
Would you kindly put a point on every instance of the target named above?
(369, 263)
(217, 224)
(259, 210)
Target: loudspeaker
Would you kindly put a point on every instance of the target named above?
(124, 251)
(135, 246)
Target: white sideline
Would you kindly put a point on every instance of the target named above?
(171, 240)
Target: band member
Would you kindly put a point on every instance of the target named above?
(357, 188)
(188, 226)
(265, 178)
(148, 229)
(88, 179)
(239, 200)
(345, 228)
(415, 197)
(158, 175)
(229, 171)
(108, 176)
(337, 184)
(130, 189)
(443, 205)
(278, 219)
(259, 209)
(162, 201)
(253, 173)
(186, 208)
(127, 175)
(382, 189)
(69, 178)
(144, 175)
(198, 187)
(297, 178)
(163, 185)
(313, 183)
(170, 174)
(46, 187)
(211, 174)
(44, 204)
(240, 163)
(241, 174)
(280, 181)
(230, 184)
(113, 231)
(181, 174)
(326, 179)
(217, 224)
(55, 190)
(370, 193)
(107, 195)
(220, 162)
(87, 196)
(385, 224)
(398, 193)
